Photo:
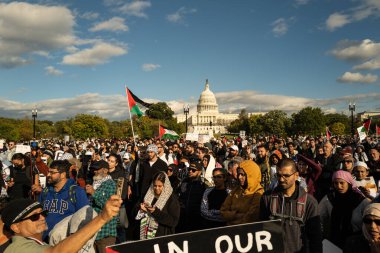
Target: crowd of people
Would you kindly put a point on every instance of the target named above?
(95, 193)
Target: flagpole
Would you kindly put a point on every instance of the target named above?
(130, 116)
(159, 135)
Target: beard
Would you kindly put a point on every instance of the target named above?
(53, 182)
(98, 177)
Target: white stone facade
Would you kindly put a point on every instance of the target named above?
(207, 119)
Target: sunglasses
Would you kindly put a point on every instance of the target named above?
(241, 174)
(218, 177)
(193, 170)
(36, 216)
(347, 161)
(369, 221)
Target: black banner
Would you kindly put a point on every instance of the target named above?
(253, 237)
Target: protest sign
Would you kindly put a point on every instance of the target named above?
(192, 136)
(253, 237)
(23, 149)
(203, 138)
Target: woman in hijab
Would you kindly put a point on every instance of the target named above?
(341, 209)
(159, 213)
(369, 240)
(242, 205)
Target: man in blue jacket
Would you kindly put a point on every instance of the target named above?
(62, 197)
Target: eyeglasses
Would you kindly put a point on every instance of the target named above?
(36, 216)
(347, 161)
(369, 221)
(159, 147)
(218, 177)
(53, 172)
(285, 176)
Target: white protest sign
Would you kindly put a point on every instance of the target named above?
(242, 134)
(192, 136)
(203, 138)
(23, 149)
(2, 141)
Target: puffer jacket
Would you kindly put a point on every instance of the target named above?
(243, 205)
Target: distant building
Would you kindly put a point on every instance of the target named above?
(207, 119)
(365, 115)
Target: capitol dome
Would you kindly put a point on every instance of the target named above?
(207, 101)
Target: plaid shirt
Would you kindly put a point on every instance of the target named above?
(99, 199)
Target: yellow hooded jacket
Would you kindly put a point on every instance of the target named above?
(243, 205)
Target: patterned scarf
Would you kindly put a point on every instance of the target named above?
(97, 183)
(148, 225)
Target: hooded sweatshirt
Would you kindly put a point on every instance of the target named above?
(62, 204)
(242, 205)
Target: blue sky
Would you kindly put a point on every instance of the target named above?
(69, 57)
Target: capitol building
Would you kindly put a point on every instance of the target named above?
(207, 119)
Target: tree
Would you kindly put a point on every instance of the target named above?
(274, 122)
(160, 111)
(338, 128)
(86, 126)
(309, 121)
(332, 118)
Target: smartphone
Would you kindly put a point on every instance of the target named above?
(119, 186)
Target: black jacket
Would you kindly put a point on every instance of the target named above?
(147, 173)
(168, 217)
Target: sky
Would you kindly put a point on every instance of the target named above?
(70, 57)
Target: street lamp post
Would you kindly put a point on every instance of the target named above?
(351, 107)
(34, 115)
(186, 112)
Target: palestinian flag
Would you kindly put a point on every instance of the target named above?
(328, 133)
(133, 107)
(367, 124)
(167, 134)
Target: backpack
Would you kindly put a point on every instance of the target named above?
(275, 208)
(72, 194)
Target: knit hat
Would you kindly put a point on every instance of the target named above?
(152, 148)
(361, 164)
(277, 153)
(234, 147)
(18, 209)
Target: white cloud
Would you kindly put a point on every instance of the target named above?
(356, 50)
(349, 77)
(365, 9)
(29, 28)
(336, 20)
(114, 24)
(89, 15)
(280, 27)
(100, 53)
(135, 8)
(104, 106)
(179, 16)
(369, 65)
(50, 70)
(150, 67)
